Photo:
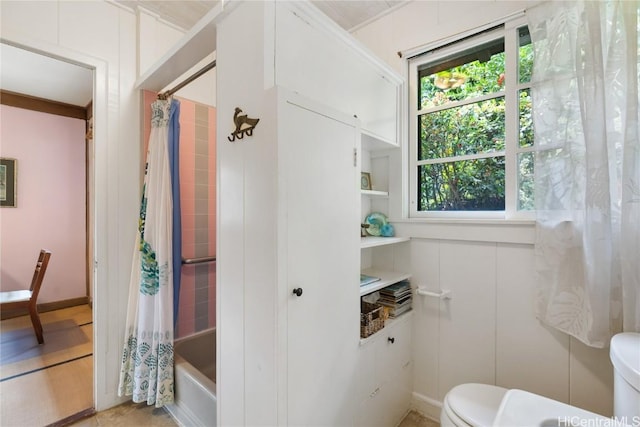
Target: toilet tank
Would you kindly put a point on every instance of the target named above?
(625, 357)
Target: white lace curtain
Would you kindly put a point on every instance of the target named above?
(587, 170)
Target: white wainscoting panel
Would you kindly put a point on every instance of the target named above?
(529, 355)
(425, 269)
(488, 331)
(467, 321)
(590, 378)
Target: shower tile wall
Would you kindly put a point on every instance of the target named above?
(196, 310)
(198, 202)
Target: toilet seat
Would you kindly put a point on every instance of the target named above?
(473, 404)
(449, 418)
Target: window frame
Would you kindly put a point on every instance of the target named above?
(509, 31)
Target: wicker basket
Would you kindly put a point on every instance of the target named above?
(371, 319)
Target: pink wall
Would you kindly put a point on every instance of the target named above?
(50, 212)
(198, 205)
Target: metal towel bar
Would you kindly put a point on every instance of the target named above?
(198, 260)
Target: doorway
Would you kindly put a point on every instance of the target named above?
(55, 181)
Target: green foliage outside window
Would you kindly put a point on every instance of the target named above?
(477, 78)
(525, 159)
(451, 182)
(463, 185)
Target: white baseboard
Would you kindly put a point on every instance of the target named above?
(426, 406)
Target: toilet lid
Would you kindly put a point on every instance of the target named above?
(521, 408)
(476, 404)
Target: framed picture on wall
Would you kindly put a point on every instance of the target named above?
(8, 182)
(365, 181)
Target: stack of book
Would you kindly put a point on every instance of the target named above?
(396, 298)
(367, 280)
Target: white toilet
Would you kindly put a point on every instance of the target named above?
(487, 405)
(471, 405)
(625, 357)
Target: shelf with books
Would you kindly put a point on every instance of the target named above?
(396, 299)
(393, 294)
(386, 278)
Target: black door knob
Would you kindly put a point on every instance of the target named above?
(391, 340)
(297, 292)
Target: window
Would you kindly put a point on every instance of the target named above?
(471, 130)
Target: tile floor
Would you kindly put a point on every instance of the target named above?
(60, 374)
(129, 414)
(132, 414)
(414, 419)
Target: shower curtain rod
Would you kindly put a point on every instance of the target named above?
(168, 93)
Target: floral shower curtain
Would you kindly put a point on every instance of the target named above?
(587, 170)
(146, 372)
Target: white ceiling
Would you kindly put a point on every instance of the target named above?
(44, 77)
(29, 73)
(349, 14)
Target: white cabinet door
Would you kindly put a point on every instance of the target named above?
(316, 58)
(396, 369)
(322, 243)
(396, 354)
(385, 361)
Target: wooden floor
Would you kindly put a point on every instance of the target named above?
(42, 384)
(49, 384)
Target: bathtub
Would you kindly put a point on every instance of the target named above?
(195, 380)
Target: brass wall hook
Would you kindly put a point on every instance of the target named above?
(244, 125)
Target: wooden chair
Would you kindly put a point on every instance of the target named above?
(28, 298)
